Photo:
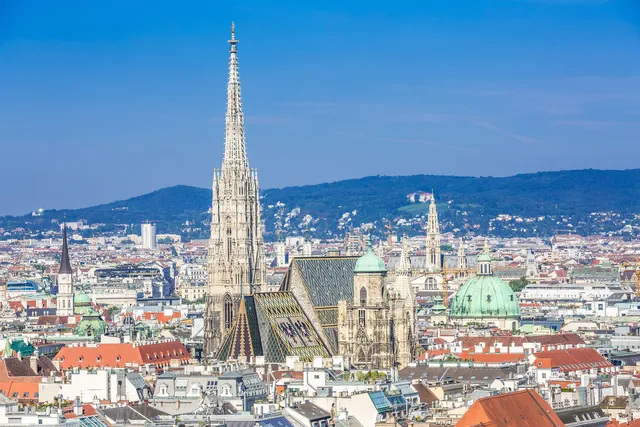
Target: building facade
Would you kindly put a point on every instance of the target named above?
(236, 250)
(376, 327)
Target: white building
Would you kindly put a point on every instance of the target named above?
(101, 384)
(148, 236)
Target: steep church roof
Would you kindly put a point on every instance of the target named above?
(326, 279)
(274, 325)
(65, 263)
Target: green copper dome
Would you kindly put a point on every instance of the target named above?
(484, 296)
(370, 263)
(484, 257)
(438, 306)
(81, 299)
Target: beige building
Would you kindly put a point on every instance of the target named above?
(376, 328)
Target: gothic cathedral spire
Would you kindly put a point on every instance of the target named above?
(433, 238)
(236, 250)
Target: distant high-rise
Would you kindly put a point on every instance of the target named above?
(148, 236)
(236, 264)
(64, 299)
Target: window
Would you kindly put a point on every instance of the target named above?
(488, 298)
(117, 358)
(228, 311)
(80, 359)
(362, 318)
(363, 297)
(36, 394)
(15, 394)
(25, 394)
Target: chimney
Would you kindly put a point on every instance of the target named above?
(33, 362)
(77, 407)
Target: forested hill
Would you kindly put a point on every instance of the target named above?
(539, 204)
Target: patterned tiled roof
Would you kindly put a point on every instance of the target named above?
(272, 324)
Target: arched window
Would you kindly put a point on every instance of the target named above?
(363, 296)
(228, 311)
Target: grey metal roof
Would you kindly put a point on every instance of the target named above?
(478, 375)
(327, 279)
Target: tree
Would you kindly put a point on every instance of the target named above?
(446, 248)
(517, 285)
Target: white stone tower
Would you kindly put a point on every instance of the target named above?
(402, 287)
(461, 261)
(403, 310)
(236, 250)
(433, 238)
(64, 300)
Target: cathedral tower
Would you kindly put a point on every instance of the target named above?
(64, 300)
(433, 238)
(236, 249)
(403, 311)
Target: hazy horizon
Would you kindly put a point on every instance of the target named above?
(107, 101)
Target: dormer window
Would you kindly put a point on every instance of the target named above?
(469, 298)
(80, 359)
(488, 298)
(117, 358)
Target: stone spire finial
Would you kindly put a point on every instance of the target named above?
(235, 155)
(404, 264)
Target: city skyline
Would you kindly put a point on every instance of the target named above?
(126, 103)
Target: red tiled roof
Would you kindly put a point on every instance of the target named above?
(122, 355)
(491, 357)
(577, 359)
(23, 391)
(523, 409)
(544, 340)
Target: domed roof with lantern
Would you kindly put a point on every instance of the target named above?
(484, 295)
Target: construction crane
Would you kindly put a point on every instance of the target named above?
(445, 285)
(637, 279)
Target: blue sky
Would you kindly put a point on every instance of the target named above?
(107, 100)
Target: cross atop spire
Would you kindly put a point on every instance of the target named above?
(65, 263)
(233, 40)
(235, 154)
